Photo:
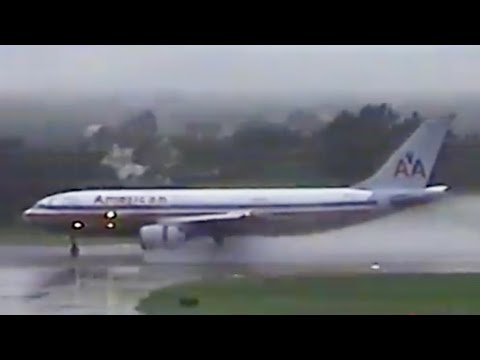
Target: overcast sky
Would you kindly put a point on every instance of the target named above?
(248, 68)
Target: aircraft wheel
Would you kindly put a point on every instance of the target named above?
(74, 251)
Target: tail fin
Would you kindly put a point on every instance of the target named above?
(411, 165)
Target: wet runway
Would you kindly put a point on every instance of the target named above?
(106, 280)
(112, 279)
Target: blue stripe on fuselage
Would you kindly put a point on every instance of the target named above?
(219, 206)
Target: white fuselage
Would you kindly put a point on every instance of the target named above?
(280, 211)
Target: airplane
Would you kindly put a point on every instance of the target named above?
(169, 218)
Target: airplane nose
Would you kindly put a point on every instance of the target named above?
(26, 214)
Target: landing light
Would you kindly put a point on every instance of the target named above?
(111, 214)
(110, 225)
(77, 225)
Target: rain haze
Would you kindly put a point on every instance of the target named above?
(87, 69)
(65, 88)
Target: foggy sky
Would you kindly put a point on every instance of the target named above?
(239, 69)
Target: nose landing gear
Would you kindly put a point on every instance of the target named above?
(74, 248)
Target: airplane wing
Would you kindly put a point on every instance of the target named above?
(211, 218)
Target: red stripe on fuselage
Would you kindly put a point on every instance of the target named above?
(150, 215)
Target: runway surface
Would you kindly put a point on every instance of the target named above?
(111, 279)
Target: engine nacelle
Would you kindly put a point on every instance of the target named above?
(160, 236)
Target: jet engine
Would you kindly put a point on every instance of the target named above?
(160, 236)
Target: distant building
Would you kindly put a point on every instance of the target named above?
(92, 130)
(120, 159)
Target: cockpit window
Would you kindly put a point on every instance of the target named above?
(50, 201)
(43, 202)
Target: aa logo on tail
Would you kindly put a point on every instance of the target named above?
(410, 168)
